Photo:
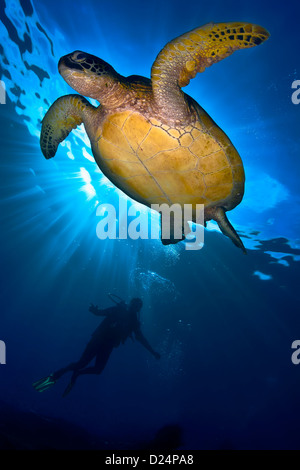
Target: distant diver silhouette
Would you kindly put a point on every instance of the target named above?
(121, 322)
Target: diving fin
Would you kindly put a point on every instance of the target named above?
(68, 389)
(44, 384)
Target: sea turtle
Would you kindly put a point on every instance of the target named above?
(152, 140)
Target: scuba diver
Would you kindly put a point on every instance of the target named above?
(120, 322)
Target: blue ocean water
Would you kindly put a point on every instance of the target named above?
(223, 322)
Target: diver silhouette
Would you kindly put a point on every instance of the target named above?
(120, 322)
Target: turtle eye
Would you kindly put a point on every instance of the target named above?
(78, 56)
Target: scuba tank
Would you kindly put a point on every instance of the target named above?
(116, 299)
(119, 300)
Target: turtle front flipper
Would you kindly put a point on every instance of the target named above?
(181, 59)
(65, 114)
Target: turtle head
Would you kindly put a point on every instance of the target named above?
(87, 74)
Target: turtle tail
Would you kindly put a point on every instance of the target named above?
(226, 228)
(65, 114)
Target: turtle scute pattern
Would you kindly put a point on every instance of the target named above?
(156, 163)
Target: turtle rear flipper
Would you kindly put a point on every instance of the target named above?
(226, 228)
(63, 116)
(173, 227)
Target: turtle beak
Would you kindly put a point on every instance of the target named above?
(64, 65)
(64, 68)
(61, 64)
(74, 73)
(69, 63)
